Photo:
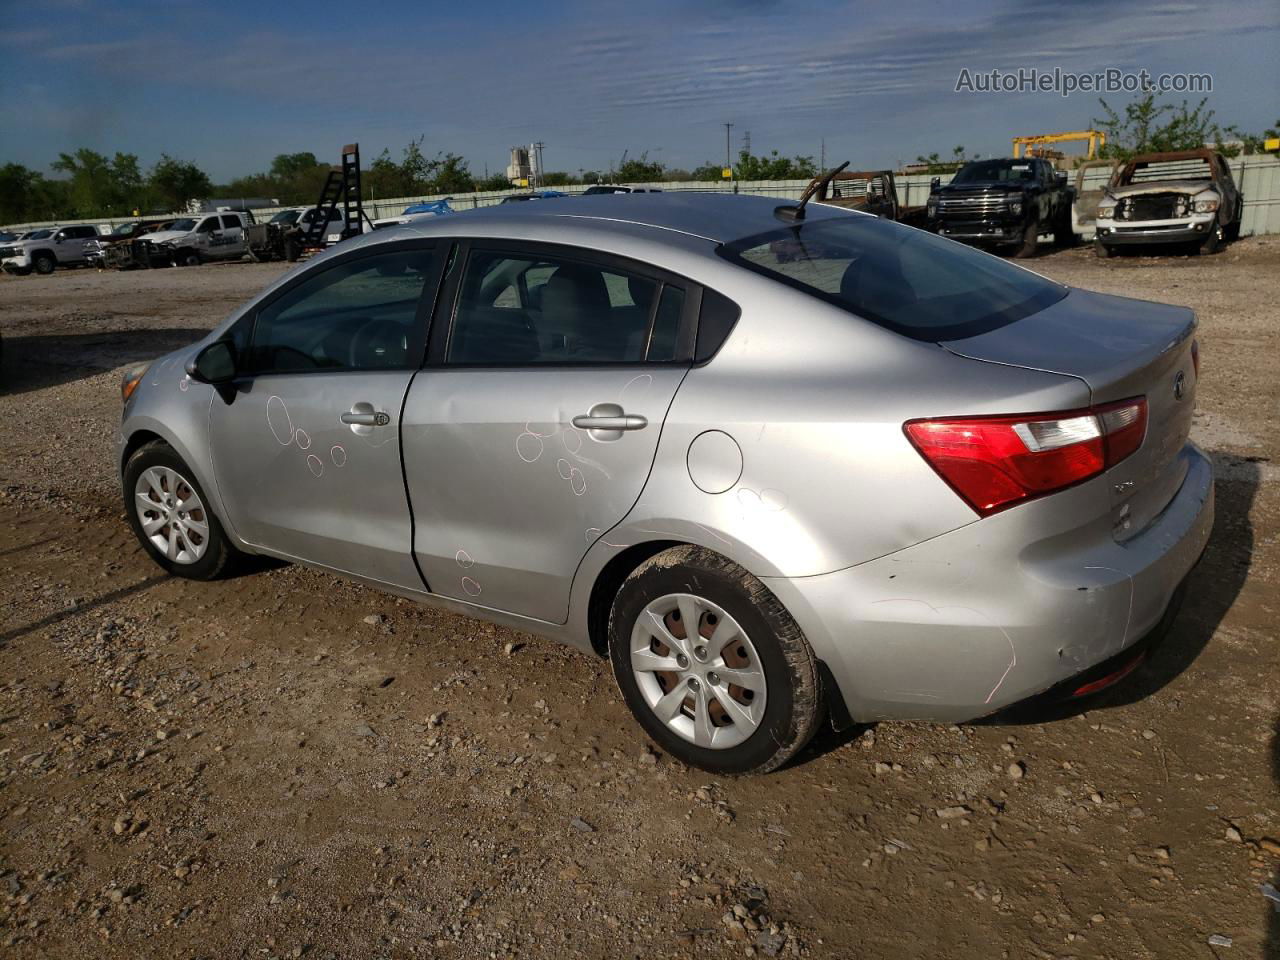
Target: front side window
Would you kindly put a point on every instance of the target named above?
(231, 223)
(518, 309)
(918, 284)
(357, 315)
(208, 226)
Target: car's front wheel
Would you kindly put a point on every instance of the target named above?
(43, 263)
(169, 514)
(1030, 241)
(712, 665)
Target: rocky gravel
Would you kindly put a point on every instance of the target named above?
(287, 765)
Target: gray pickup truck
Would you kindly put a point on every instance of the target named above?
(46, 249)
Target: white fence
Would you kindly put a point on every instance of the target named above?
(1258, 178)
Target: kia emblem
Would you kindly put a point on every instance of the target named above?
(1179, 385)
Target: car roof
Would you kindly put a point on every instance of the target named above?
(718, 217)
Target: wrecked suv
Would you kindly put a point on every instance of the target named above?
(1186, 198)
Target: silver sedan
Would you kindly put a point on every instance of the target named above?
(778, 464)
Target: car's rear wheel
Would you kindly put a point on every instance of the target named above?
(712, 665)
(43, 263)
(169, 514)
(1030, 241)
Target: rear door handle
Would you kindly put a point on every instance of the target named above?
(625, 421)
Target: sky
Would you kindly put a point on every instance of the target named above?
(231, 84)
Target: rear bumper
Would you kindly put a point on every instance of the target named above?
(1000, 610)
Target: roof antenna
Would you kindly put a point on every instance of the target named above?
(788, 212)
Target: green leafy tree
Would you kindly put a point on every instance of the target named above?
(935, 164)
(558, 178)
(641, 170)
(26, 195)
(451, 175)
(496, 181)
(774, 167)
(173, 183)
(708, 171)
(92, 187)
(1146, 126)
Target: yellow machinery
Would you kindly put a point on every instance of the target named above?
(1097, 140)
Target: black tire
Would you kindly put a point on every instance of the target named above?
(1212, 243)
(219, 553)
(185, 258)
(1102, 251)
(793, 707)
(1063, 236)
(43, 263)
(1232, 231)
(1030, 241)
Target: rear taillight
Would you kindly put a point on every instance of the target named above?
(997, 462)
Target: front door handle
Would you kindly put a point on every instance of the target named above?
(378, 419)
(625, 421)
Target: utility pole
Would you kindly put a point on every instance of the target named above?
(727, 147)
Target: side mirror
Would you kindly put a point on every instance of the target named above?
(215, 363)
(934, 184)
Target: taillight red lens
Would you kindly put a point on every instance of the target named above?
(996, 462)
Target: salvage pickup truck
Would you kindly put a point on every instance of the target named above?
(1003, 202)
(1186, 197)
(871, 191)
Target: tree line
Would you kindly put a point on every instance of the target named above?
(86, 184)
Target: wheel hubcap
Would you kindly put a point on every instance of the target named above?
(698, 671)
(172, 516)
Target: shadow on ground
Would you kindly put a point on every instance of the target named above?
(49, 360)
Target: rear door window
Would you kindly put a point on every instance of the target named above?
(518, 308)
(910, 281)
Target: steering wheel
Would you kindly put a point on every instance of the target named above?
(373, 335)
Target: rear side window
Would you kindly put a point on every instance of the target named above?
(910, 281)
(529, 309)
(231, 223)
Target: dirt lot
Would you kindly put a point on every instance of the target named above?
(285, 765)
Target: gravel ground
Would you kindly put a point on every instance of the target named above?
(286, 765)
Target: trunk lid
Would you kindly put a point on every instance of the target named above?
(1121, 348)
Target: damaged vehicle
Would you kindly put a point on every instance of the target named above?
(1186, 198)
(943, 486)
(284, 236)
(1004, 203)
(190, 241)
(869, 191)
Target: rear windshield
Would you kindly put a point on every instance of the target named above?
(913, 282)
